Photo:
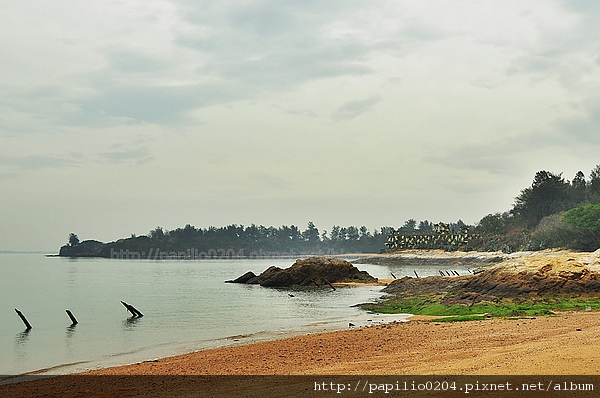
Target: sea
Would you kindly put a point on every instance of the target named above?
(186, 307)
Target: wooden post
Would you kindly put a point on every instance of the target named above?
(132, 309)
(27, 324)
(72, 317)
(417, 275)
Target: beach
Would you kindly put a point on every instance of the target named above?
(564, 344)
(530, 351)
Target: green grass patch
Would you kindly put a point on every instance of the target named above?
(536, 306)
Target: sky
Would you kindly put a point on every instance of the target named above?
(120, 116)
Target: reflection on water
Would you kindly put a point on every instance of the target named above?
(21, 340)
(71, 331)
(130, 323)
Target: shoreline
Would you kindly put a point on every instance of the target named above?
(518, 345)
(153, 354)
(563, 344)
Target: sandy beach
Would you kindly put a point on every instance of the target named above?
(565, 344)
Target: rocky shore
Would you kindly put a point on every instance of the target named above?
(518, 276)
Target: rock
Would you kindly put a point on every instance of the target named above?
(555, 277)
(311, 271)
(244, 278)
(536, 275)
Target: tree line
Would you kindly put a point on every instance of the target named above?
(551, 213)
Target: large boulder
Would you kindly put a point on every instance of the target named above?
(311, 271)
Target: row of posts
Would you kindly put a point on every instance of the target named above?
(134, 312)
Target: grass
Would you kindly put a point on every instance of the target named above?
(538, 306)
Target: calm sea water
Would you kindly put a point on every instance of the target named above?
(186, 305)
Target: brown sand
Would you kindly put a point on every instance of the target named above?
(566, 344)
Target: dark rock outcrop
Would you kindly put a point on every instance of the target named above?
(311, 271)
(244, 278)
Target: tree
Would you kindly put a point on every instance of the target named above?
(364, 233)
(586, 220)
(594, 183)
(492, 224)
(157, 233)
(548, 194)
(73, 239)
(311, 234)
(578, 188)
(352, 233)
(586, 217)
(409, 225)
(425, 227)
(335, 233)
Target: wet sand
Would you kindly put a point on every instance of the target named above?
(566, 344)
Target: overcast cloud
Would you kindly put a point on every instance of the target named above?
(119, 116)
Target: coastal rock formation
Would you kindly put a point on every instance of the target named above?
(531, 275)
(311, 271)
(552, 276)
(87, 248)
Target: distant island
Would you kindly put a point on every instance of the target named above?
(232, 241)
(551, 213)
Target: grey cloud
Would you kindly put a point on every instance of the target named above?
(584, 7)
(154, 104)
(352, 109)
(505, 154)
(272, 43)
(36, 162)
(532, 64)
(138, 156)
(302, 112)
(130, 61)
(583, 130)
(424, 31)
(491, 157)
(243, 49)
(250, 49)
